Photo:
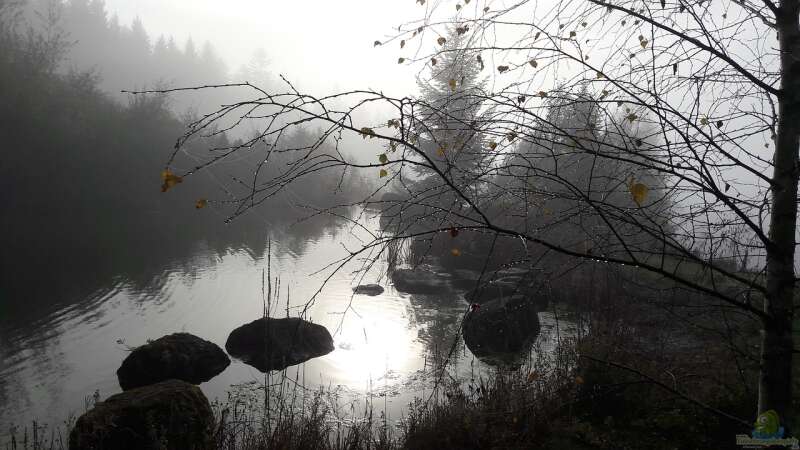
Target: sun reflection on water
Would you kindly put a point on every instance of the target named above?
(372, 338)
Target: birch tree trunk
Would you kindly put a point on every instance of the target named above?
(775, 384)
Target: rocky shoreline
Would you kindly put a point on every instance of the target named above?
(161, 407)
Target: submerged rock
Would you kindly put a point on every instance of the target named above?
(501, 330)
(180, 356)
(520, 272)
(465, 279)
(491, 291)
(168, 415)
(420, 281)
(506, 288)
(369, 289)
(274, 344)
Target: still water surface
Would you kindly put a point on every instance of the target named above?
(50, 364)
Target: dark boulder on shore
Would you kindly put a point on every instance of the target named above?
(501, 330)
(170, 415)
(369, 289)
(180, 356)
(274, 344)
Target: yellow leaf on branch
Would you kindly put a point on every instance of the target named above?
(367, 132)
(169, 180)
(639, 193)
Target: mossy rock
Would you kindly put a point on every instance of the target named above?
(274, 344)
(179, 356)
(170, 415)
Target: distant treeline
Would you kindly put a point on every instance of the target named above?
(126, 57)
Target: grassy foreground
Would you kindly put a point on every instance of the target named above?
(571, 399)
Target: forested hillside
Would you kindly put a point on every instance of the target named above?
(81, 167)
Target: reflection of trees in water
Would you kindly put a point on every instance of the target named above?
(297, 236)
(438, 319)
(39, 350)
(441, 334)
(68, 275)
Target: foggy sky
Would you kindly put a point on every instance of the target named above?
(318, 45)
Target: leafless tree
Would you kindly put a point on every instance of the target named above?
(662, 136)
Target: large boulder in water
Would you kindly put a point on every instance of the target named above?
(180, 356)
(168, 415)
(274, 344)
(501, 330)
(420, 281)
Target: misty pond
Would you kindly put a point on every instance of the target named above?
(61, 347)
(451, 201)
